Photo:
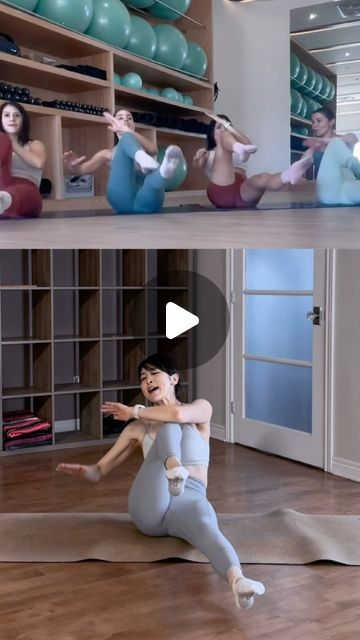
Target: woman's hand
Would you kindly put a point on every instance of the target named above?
(118, 411)
(72, 161)
(117, 126)
(200, 153)
(316, 144)
(89, 472)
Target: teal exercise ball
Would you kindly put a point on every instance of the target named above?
(169, 93)
(117, 78)
(310, 81)
(142, 40)
(111, 22)
(165, 13)
(303, 108)
(325, 88)
(295, 102)
(302, 74)
(180, 172)
(132, 80)
(188, 100)
(332, 92)
(25, 4)
(62, 12)
(318, 83)
(294, 65)
(139, 4)
(153, 91)
(172, 46)
(196, 61)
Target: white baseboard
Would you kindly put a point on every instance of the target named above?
(61, 426)
(218, 431)
(346, 469)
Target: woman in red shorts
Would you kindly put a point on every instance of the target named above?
(21, 164)
(226, 149)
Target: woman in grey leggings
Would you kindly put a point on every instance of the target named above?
(168, 496)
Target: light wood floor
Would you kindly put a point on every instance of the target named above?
(176, 600)
(317, 228)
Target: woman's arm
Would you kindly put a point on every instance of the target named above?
(34, 156)
(350, 140)
(79, 166)
(200, 158)
(238, 135)
(148, 145)
(196, 412)
(127, 442)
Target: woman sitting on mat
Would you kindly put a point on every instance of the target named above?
(231, 189)
(21, 164)
(168, 495)
(336, 169)
(137, 182)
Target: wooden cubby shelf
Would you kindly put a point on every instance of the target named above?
(45, 45)
(67, 347)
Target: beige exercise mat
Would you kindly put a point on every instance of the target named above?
(282, 536)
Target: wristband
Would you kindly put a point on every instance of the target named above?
(136, 410)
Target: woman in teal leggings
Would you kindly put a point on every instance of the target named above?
(168, 495)
(136, 182)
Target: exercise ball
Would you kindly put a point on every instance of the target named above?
(169, 93)
(171, 46)
(180, 97)
(25, 4)
(111, 22)
(62, 12)
(164, 13)
(139, 4)
(117, 78)
(142, 40)
(153, 91)
(196, 61)
(318, 84)
(295, 102)
(294, 65)
(180, 172)
(332, 92)
(303, 108)
(188, 100)
(310, 81)
(132, 80)
(302, 74)
(325, 88)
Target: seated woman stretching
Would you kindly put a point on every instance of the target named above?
(136, 182)
(21, 164)
(336, 170)
(231, 189)
(168, 495)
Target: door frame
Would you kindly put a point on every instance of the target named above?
(330, 257)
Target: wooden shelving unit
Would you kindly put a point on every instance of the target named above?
(74, 324)
(41, 40)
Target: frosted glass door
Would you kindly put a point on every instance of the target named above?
(277, 385)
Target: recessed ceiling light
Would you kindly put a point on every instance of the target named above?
(312, 16)
(347, 54)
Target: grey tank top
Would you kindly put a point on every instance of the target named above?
(21, 169)
(195, 450)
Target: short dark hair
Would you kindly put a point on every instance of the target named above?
(326, 111)
(211, 144)
(163, 363)
(24, 135)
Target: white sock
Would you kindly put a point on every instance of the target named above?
(5, 201)
(177, 477)
(295, 172)
(172, 157)
(244, 591)
(145, 162)
(242, 151)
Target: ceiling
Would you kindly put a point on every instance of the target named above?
(335, 41)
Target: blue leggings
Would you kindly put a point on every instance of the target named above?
(189, 516)
(338, 176)
(124, 192)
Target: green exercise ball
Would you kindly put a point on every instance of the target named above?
(153, 91)
(318, 83)
(62, 12)
(332, 92)
(303, 108)
(196, 61)
(117, 78)
(325, 88)
(111, 22)
(169, 93)
(180, 97)
(25, 4)
(295, 102)
(294, 65)
(132, 80)
(310, 81)
(172, 46)
(139, 4)
(180, 173)
(188, 100)
(302, 74)
(142, 40)
(165, 13)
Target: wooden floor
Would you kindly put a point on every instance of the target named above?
(319, 228)
(176, 600)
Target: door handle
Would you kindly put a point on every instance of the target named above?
(316, 316)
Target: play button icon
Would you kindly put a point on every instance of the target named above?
(178, 320)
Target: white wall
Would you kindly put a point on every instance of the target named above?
(252, 68)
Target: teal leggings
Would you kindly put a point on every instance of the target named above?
(126, 191)
(338, 179)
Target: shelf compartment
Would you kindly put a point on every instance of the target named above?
(64, 268)
(15, 269)
(120, 361)
(77, 417)
(112, 316)
(133, 267)
(16, 314)
(26, 369)
(134, 310)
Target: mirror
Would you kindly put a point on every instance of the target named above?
(325, 67)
